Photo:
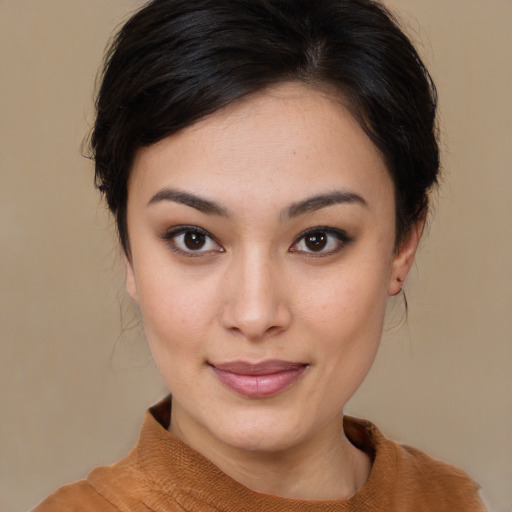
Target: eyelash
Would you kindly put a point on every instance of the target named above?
(341, 239)
(170, 238)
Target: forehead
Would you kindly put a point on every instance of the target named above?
(288, 141)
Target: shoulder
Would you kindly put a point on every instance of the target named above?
(439, 486)
(106, 489)
(409, 479)
(77, 497)
(131, 483)
(120, 486)
(436, 479)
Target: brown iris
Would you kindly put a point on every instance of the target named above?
(316, 241)
(194, 240)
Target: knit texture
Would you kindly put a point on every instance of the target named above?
(162, 474)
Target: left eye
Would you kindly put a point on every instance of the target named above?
(191, 240)
(320, 241)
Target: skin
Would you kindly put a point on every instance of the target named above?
(256, 291)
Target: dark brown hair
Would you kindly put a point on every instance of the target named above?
(176, 61)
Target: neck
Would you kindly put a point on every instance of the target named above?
(326, 467)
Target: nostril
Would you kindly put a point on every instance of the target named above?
(272, 330)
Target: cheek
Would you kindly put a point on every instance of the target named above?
(177, 312)
(352, 295)
(345, 316)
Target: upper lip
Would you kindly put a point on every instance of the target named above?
(262, 368)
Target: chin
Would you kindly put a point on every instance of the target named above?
(260, 432)
(261, 441)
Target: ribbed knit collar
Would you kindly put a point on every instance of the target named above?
(171, 468)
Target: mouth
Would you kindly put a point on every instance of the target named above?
(259, 380)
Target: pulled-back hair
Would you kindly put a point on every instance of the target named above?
(176, 61)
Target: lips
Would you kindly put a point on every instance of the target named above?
(259, 380)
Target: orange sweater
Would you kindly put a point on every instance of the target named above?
(161, 474)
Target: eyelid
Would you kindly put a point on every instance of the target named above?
(342, 236)
(174, 232)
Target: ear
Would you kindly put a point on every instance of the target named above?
(404, 258)
(131, 283)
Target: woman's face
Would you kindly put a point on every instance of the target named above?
(262, 254)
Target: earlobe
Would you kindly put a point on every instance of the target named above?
(131, 283)
(404, 258)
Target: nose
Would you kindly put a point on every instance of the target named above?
(255, 298)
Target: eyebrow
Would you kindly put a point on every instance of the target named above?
(310, 204)
(199, 203)
(319, 201)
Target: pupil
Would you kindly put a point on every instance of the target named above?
(316, 242)
(194, 241)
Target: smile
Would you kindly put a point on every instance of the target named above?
(259, 380)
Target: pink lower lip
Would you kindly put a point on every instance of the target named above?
(259, 386)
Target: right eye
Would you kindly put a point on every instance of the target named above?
(191, 241)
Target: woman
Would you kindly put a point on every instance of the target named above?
(268, 164)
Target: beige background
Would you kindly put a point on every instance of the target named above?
(76, 376)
